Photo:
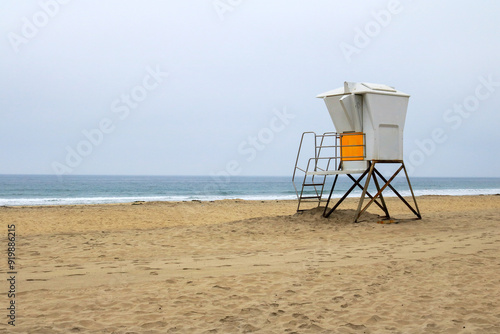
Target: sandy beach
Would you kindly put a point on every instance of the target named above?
(237, 266)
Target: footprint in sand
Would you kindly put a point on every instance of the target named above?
(221, 287)
(251, 311)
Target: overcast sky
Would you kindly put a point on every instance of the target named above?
(211, 86)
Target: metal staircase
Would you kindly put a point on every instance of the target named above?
(326, 156)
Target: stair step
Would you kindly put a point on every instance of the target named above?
(309, 197)
(313, 184)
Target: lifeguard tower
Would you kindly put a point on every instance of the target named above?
(369, 121)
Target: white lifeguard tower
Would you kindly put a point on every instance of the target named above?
(369, 121)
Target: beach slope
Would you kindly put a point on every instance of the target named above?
(238, 266)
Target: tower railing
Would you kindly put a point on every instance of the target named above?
(331, 150)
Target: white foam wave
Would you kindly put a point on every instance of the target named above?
(109, 200)
(428, 192)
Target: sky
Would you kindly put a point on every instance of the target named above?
(226, 87)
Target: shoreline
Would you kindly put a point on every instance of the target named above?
(236, 199)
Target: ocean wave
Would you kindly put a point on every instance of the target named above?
(111, 200)
(429, 192)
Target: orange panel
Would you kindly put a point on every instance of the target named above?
(352, 148)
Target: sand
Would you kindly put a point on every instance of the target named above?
(238, 266)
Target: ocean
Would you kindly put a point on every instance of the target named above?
(18, 190)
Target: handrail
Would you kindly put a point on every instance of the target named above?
(298, 153)
(338, 156)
